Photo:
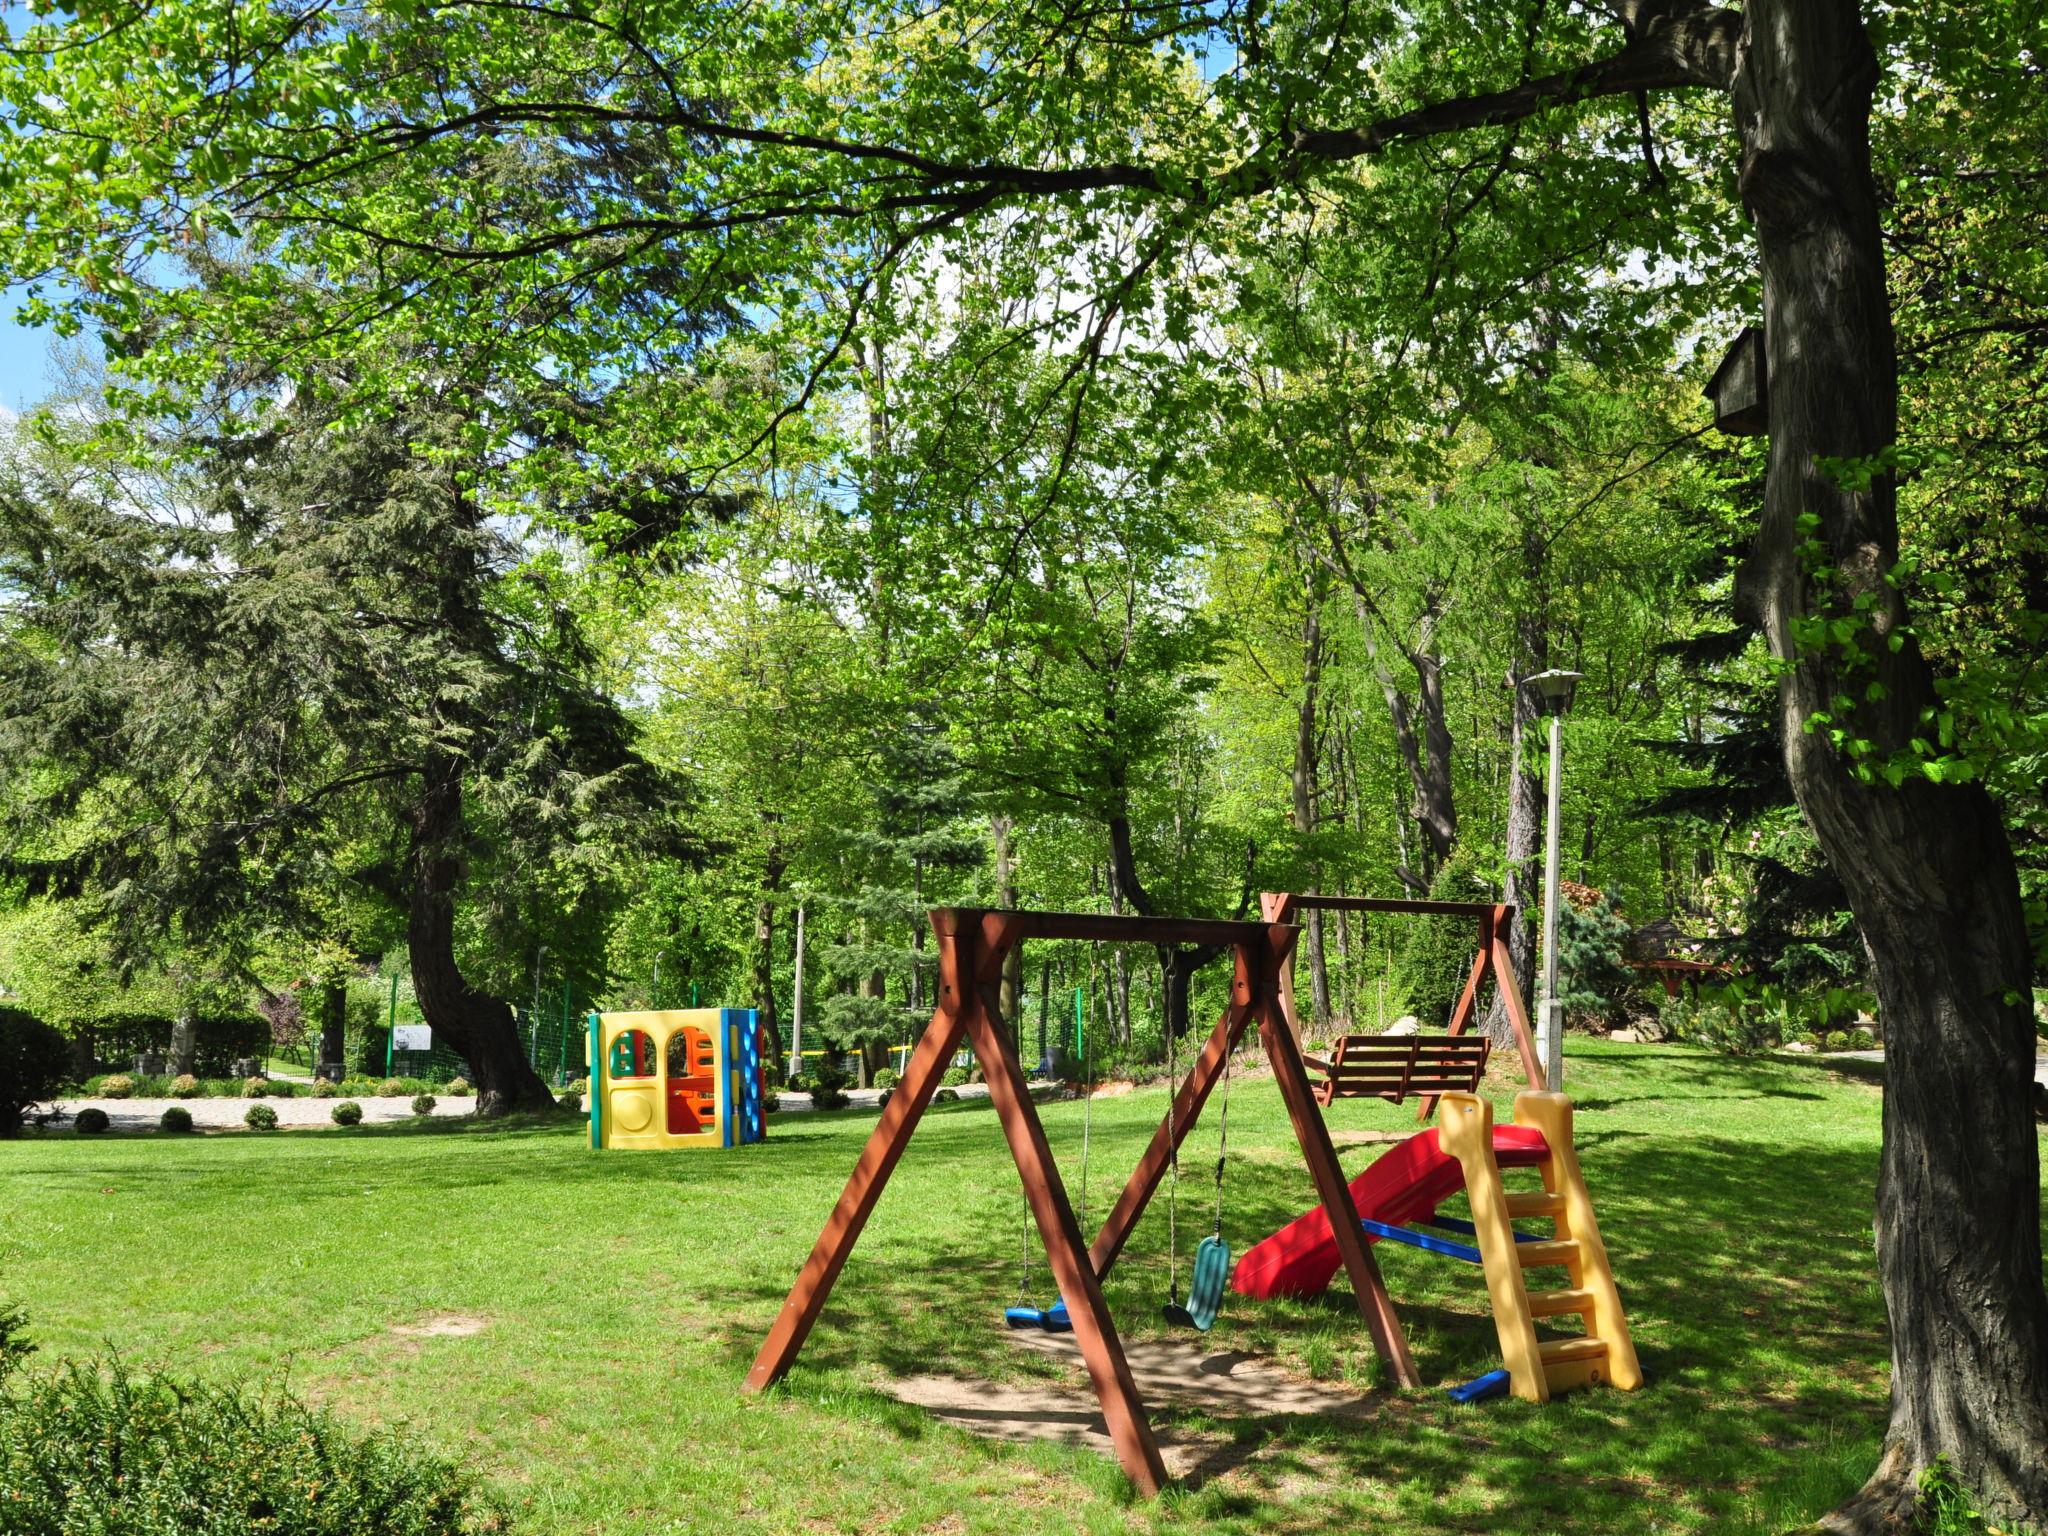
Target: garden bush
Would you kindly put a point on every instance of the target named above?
(282, 1088)
(92, 1122)
(770, 1103)
(955, 1076)
(261, 1117)
(175, 1120)
(255, 1087)
(323, 1089)
(572, 1102)
(347, 1112)
(946, 1096)
(423, 1104)
(887, 1078)
(34, 1061)
(118, 1086)
(458, 1088)
(92, 1445)
(391, 1088)
(184, 1086)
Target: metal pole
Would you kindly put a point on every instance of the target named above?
(654, 991)
(796, 1027)
(391, 1024)
(1550, 1021)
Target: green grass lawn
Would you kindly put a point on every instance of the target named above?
(623, 1294)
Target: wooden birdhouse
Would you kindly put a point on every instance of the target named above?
(1740, 387)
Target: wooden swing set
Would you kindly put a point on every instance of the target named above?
(972, 945)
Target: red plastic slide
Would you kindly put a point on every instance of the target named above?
(1407, 1183)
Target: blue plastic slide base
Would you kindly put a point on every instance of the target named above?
(1480, 1388)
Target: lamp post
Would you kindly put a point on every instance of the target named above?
(1553, 690)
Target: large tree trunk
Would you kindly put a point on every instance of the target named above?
(330, 1045)
(1011, 998)
(1523, 887)
(768, 1021)
(1928, 867)
(477, 1025)
(1304, 788)
(1427, 757)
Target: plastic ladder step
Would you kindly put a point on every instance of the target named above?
(1541, 1203)
(1557, 1303)
(1562, 1250)
(1563, 1351)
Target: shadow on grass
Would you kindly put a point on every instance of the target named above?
(1745, 1265)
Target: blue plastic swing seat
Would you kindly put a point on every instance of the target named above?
(1052, 1319)
(1205, 1287)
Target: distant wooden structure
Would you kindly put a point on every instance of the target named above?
(1492, 919)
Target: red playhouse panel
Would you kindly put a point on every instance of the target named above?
(1409, 1182)
(692, 1088)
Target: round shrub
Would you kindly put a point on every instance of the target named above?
(155, 1454)
(281, 1088)
(946, 1096)
(326, 1090)
(255, 1087)
(955, 1076)
(175, 1120)
(459, 1088)
(91, 1122)
(261, 1117)
(572, 1102)
(35, 1060)
(184, 1086)
(887, 1078)
(391, 1088)
(118, 1086)
(770, 1103)
(347, 1112)
(423, 1104)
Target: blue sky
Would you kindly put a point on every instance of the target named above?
(24, 359)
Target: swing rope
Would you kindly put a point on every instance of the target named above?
(1054, 1318)
(1173, 1163)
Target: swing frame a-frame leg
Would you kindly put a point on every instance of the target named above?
(972, 944)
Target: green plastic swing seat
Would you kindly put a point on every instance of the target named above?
(1205, 1287)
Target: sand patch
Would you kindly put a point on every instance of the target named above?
(442, 1325)
(1169, 1373)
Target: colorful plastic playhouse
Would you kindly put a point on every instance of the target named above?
(683, 1077)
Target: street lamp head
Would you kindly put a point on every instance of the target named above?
(1554, 689)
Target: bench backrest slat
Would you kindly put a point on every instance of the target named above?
(1394, 1066)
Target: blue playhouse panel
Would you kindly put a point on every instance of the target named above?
(745, 1123)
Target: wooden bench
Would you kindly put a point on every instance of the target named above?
(1392, 1067)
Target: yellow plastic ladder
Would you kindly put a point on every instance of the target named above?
(1538, 1367)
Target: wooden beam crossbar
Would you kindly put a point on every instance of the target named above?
(971, 945)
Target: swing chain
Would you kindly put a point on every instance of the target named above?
(1223, 1139)
(1173, 1162)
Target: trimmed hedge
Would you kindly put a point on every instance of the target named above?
(218, 1041)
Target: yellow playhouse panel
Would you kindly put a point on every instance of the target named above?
(663, 1079)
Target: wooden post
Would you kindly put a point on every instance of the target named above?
(1258, 971)
(1504, 979)
(1461, 1016)
(1122, 1410)
(877, 1161)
